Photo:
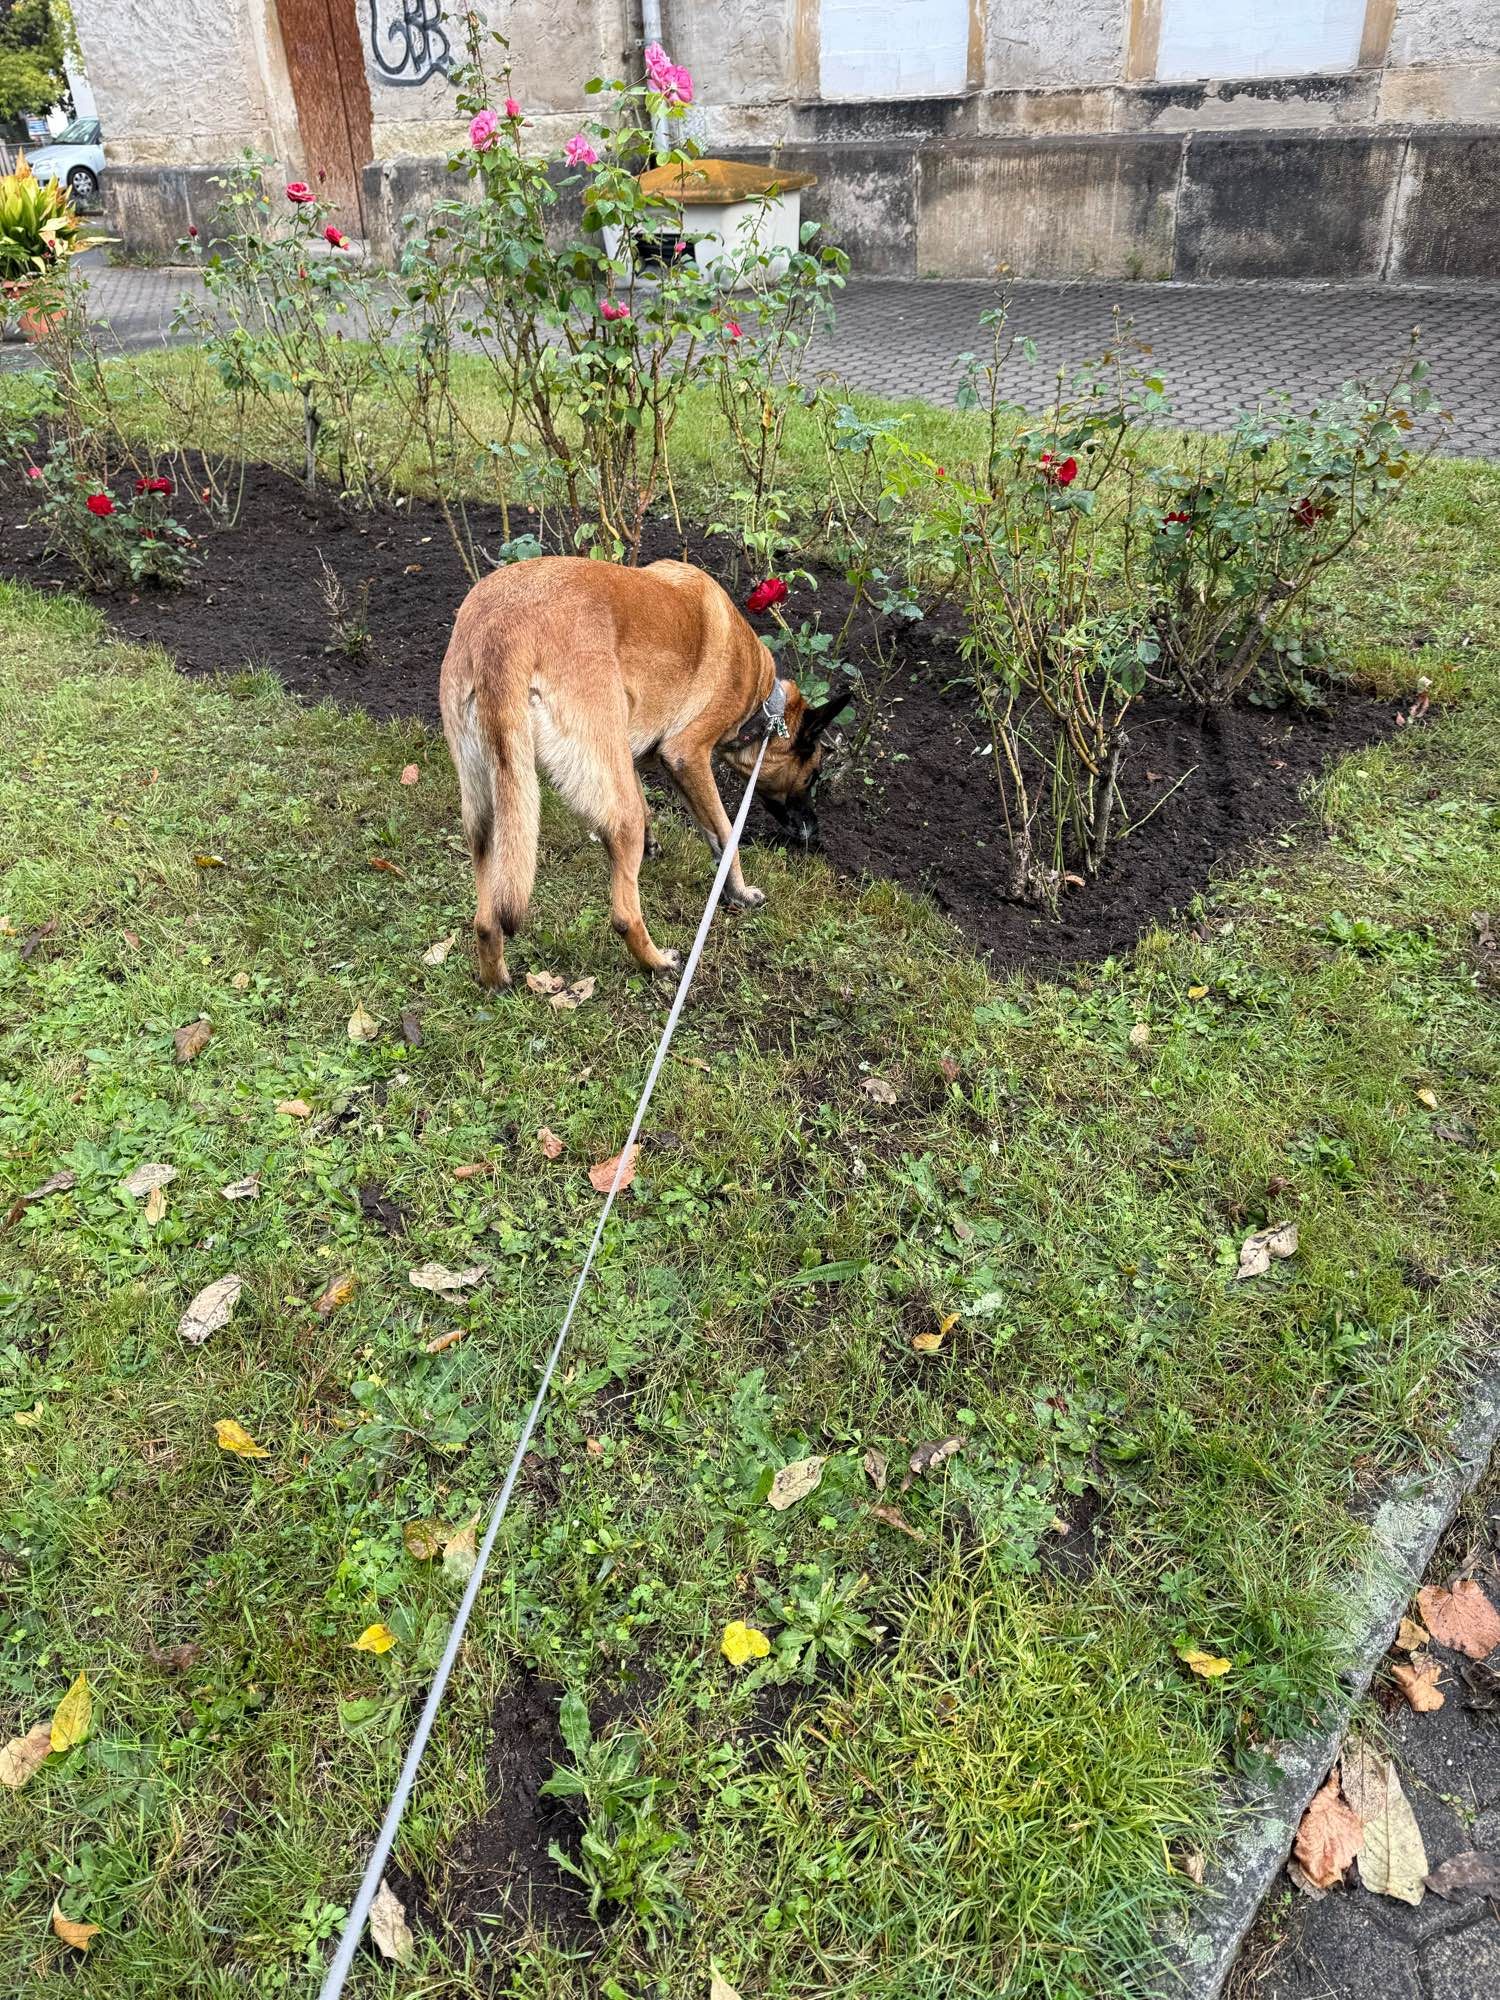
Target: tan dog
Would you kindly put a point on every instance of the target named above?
(579, 668)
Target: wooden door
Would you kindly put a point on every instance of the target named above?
(326, 62)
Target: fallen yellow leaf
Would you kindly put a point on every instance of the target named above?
(156, 1207)
(234, 1437)
(294, 1107)
(742, 1643)
(79, 1936)
(1429, 1098)
(1197, 993)
(75, 1712)
(375, 1639)
(338, 1293)
(1208, 1665)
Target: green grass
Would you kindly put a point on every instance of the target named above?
(986, 1801)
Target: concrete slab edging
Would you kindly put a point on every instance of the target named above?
(1406, 1529)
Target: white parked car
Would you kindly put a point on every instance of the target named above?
(76, 156)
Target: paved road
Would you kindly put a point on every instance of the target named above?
(1219, 347)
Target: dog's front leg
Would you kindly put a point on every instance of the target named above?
(692, 772)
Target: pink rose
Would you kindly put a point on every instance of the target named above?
(579, 153)
(33, 472)
(512, 109)
(665, 78)
(482, 129)
(611, 309)
(733, 328)
(298, 192)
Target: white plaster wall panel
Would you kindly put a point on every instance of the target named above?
(893, 48)
(1040, 44)
(175, 84)
(737, 52)
(1241, 38)
(1445, 31)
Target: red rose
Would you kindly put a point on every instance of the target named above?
(336, 237)
(100, 504)
(764, 595)
(1178, 516)
(192, 229)
(733, 328)
(160, 484)
(1307, 513)
(298, 192)
(1058, 475)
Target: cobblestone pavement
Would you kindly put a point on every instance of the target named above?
(1219, 346)
(1356, 1946)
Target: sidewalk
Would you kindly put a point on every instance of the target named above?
(1219, 347)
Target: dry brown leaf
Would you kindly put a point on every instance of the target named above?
(602, 1177)
(24, 1756)
(719, 1988)
(79, 1936)
(794, 1482)
(583, 989)
(1419, 1683)
(241, 982)
(1189, 1861)
(927, 1343)
(294, 1107)
(432, 1277)
(545, 982)
(192, 1040)
(1279, 1239)
(156, 1207)
(876, 1466)
(211, 1309)
(894, 1518)
(1392, 1861)
(474, 1169)
(549, 1142)
(1471, 1874)
(337, 1293)
(383, 867)
(363, 1027)
(61, 1183)
(878, 1090)
(173, 1659)
(141, 1180)
(1462, 1618)
(1139, 1035)
(1328, 1838)
(929, 1456)
(423, 1540)
(436, 953)
(245, 1190)
(410, 774)
(388, 1926)
(444, 1341)
(1410, 1637)
(1300, 1880)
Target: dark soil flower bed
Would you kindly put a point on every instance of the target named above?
(919, 805)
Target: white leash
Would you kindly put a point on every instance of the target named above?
(385, 1840)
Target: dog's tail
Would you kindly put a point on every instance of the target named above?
(488, 723)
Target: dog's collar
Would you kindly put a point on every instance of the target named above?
(767, 720)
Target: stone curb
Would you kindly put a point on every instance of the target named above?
(1405, 1532)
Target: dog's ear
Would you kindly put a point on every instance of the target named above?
(816, 720)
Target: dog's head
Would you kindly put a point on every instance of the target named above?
(789, 776)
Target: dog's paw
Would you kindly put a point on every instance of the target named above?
(748, 898)
(671, 963)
